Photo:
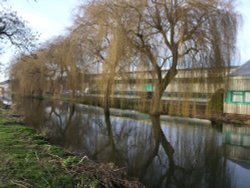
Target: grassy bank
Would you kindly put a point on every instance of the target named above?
(27, 160)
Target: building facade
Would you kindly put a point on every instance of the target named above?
(237, 98)
(4, 88)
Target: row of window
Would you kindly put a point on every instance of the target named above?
(238, 97)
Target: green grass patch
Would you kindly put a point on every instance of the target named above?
(28, 161)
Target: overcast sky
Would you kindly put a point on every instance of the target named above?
(48, 17)
(52, 18)
(244, 31)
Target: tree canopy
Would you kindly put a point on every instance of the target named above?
(156, 37)
(171, 34)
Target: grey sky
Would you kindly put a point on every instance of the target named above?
(48, 17)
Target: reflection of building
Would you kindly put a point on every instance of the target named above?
(237, 142)
(237, 100)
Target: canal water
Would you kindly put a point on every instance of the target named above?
(171, 152)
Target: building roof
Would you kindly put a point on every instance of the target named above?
(243, 70)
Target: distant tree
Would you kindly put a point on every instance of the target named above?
(14, 30)
(29, 74)
(57, 67)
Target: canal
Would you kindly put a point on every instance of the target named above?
(166, 152)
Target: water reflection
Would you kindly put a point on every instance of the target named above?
(160, 154)
(237, 143)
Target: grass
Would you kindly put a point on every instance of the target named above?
(27, 160)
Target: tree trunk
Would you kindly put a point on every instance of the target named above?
(161, 85)
(168, 148)
(155, 107)
(106, 99)
(114, 156)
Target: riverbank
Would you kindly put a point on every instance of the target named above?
(28, 160)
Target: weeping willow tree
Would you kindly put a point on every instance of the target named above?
(28, 75)
(52, 70)
(103, 34)
(153, 39)
(173, 35)
(65, 54)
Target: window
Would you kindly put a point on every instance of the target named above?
(237, 96)
(148, 87)
(247, 96)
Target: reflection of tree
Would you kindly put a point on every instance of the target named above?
(53, 112)
(114, 152)
(112, 147)
(193, 159)
(160, 139)
(32, 110)
(71, 126)
(196, 165)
